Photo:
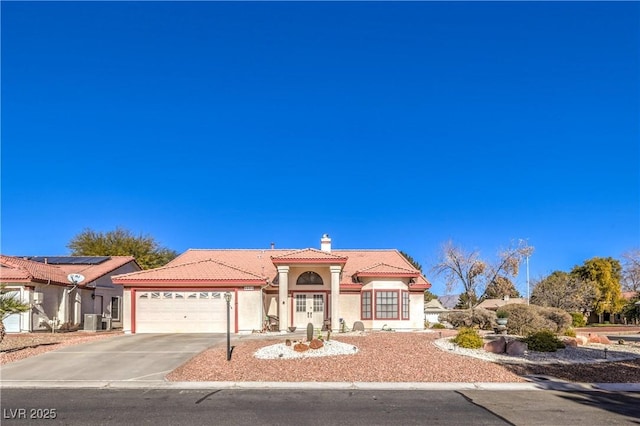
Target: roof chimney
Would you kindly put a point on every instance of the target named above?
(273, 246)
(325, 243)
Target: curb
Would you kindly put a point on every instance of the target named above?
(441, 386)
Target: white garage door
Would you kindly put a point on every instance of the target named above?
(182, 312)
(12, 322)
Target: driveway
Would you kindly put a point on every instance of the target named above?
(135, 358)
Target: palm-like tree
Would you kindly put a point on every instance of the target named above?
(9, 304)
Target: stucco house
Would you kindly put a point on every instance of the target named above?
(495, 304)
(298, 286)
(432, 311)
(43, 283)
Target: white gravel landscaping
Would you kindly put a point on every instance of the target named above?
(282, 351)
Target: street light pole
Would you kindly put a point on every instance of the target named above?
(227, 298)
(528, 292)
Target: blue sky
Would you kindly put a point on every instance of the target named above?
(385, 125)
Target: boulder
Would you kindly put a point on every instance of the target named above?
(300, 347)
(497, 346)
(597, 338)
(358, 326)
(582, 339)
(516, 348)
(316, 344)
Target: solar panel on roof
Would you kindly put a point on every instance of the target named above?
(70, 260)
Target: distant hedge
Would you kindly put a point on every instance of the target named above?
(528, 319)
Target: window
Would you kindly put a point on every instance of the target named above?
(405, 305)
(204, 295)
(179, 295)
(365, 305)
(115, 308)
(167, 295)
(192, 296)
(318, 303)
(144, 295)
(155, 295)
(309, 278)
(301, 303)
(386, 304)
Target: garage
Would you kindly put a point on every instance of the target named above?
(182, 312)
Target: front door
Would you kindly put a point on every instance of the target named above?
(309, 309)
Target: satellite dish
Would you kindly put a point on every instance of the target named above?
(75, 278)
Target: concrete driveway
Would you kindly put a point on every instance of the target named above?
(137, 358)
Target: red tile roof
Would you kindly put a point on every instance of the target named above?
(16, 269)
(309, 255)
(206, 272)
(384, 270)
(262, 263)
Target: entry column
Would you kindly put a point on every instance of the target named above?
(335, 297)
(283, 299)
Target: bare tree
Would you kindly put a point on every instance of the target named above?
(631, 270)
(461, 267)
(564, 291)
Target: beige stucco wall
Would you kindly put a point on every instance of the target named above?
(349, 308)
(249, 313)
(126, 310)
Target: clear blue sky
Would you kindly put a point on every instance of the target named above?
(385, 125)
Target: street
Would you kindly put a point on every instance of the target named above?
(316, 407)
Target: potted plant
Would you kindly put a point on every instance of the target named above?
(502, 317)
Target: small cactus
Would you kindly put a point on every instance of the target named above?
(309, 332)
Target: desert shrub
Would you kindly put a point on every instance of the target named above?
(543, 341)
(577, 319)
(559, 317)
(468, 338)
(527, 319)
(482, 318)
(438, 326)
(570, 332)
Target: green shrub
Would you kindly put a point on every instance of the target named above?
(502, 314)
(543, 341)
(438, 326)
(468, 338)
(570, 332)
(577, 319)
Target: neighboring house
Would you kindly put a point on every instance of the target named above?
(376, 287)
(432, 311)
(42, 282)
(494, 304)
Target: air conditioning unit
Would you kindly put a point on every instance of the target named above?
(38, 298)
(92, 322)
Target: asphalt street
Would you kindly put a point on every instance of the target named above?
(316, 407)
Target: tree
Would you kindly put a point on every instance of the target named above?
(121, 242)
(9, 305)
(606, 273)
(499, 288)
(459, 266)
(412, 261)
(631, 270)
(428, 296)
(565, 291)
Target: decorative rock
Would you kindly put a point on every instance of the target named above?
(316, 344)
(300, 347)
(497, 346)
(516, 348)
(570, 341)
(287, 342)
(581, 339)
(597, 338)
(358, 326)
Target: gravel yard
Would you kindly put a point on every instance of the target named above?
(380, 357)
(15, 347)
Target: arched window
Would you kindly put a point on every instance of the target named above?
(309, 278)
